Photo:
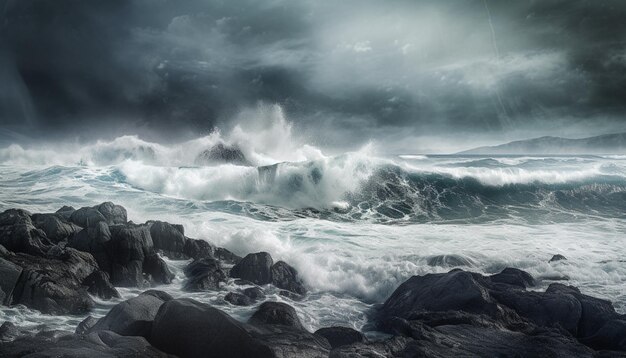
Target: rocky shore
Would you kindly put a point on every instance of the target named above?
(58, 263)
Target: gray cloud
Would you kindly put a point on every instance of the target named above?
(353, 70)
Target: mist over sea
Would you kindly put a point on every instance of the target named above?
(355, 225)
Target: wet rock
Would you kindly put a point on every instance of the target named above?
(98, 284)
(85, 325)
(54, 284)
(513, 277)
(65, 212)
(197, 249)
(255, 293)
(611, 336)
(238, 299)
(133, 317)
(203, 274)
(55, 226)
(340, 336)
(290, 295)
(255, 268)
(9, 276)
(286, 277)
(557, 257)
(157, 269)
(18, 234)
(276, 313)
(106, 212)
(188, 328)
(221, 153)
(226, 256)
(96, 241)
(169, 239)
(97, 344)
(8, 331)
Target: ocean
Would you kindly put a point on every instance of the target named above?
(355, 225)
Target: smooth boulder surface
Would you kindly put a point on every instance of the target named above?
(133, 317)
(340, 336)
(204, 274)
(102, 344)
(106, 212)
(188, 328)
(276, 313)
(286, 277)
(255, 268)
(169, 239)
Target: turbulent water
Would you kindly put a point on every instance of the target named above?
(355, 225)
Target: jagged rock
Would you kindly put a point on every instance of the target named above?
(54, 284)
(97, 344)
(18, 234)
(8, 331)
(286, 277)
(197, 249)
(98, 284)
(221, 153)
(96, 241)
(133, 317)
(238, 299)
(276, 313)
(55, 226)
(255, 268)
(157, 269)
(9, 276)
(224, 255)
(557, 257)
(106, 212)
(65, 212)
(169, 239)
(340, 336)
(204, 274)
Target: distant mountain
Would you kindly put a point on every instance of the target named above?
(603, 144)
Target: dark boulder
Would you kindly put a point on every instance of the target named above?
(238, 299)
(513, 277)
(9, 276)
(204, 274)
(65, 212)
(455, 290)
(129, 246)
(169, 239)
(255, 268)
(290, 295)
(55, 226)
(188, 328)
(18, 234)
(197, 249)
(85, 325)
(96, 241)
(102, 344)
(276, 313)
(286, 277)
(98, 284)
(224, 255)
(255, 293)
(134, 316)
(611, 336)
(9, 331)
(157, 269)
(106, 212)
(340, 336)
(54, 284)
(221, 153)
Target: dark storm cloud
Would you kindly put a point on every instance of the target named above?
(366, 69)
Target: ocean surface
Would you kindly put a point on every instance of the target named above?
(355, 225)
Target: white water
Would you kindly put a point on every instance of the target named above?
(349, 254)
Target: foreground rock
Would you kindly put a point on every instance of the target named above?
(58, 282)
(98, 344)
(18, 234)
(469, 311)
(204, 274)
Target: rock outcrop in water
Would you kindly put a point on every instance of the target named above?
(222, 153)
(53, 264)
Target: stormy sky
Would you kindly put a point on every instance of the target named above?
(414, 74)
